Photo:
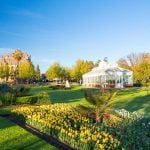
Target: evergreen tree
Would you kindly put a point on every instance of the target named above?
(37, 73)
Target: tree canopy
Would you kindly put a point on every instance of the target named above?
(80, 68)
(37, 73)
(136, 63)
(4, 71)
(143, 74)
(54, 71)
(18, 54)
(26, 70)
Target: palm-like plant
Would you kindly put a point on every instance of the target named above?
(99, 101)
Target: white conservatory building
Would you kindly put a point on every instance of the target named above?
(108, 76)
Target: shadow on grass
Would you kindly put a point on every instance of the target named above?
(66, 96)
(25, 142)
(61, 95)
(14, 137)
(4, 123)
(129, 91)
(141, 103)
(5, 111)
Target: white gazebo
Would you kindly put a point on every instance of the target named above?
(108, 76)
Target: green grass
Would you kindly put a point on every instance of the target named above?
(5, 110)
(71, 96)
(13, 137)
(131, 99)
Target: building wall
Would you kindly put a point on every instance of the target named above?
(12, 63)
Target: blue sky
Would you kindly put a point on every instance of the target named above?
(65, 30)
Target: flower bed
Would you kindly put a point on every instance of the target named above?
(69, 125)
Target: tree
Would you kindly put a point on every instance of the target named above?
(132, 62)
(81, 67)
(26, 71)
(17, 55)
(122, 62)
(4, 71)
(37, 73)
(65, 73)
(143, 73)
(12, 73)
(54, 71)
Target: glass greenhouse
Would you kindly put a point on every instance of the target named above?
(108, 76)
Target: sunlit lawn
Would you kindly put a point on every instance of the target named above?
(131, 99)
(71, 96)
(13, 137)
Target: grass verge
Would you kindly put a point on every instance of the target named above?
(14, 137)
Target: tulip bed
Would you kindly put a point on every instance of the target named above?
(68, 124)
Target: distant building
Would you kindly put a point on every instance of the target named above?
(12, 63)
(107, 75)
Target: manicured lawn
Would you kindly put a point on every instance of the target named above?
(73, 96)
(13, 137)
(131, 99)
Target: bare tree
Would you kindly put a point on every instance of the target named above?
(132, 60)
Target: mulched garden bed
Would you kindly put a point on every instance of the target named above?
(49, 139)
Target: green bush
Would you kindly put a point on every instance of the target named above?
(43, 98)
(7, 98)
(20, 90)
(57, 87)
(27, 100)
(40, 98)
(9, 94)
(5, 88)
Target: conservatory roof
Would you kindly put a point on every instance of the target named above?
(106, 68)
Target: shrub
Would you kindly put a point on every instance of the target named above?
(20, 90)
(40, 98)
(5, 88)
(27, 100)
(7, 98)
(57, 87)
(8, 94)
(43, 98)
